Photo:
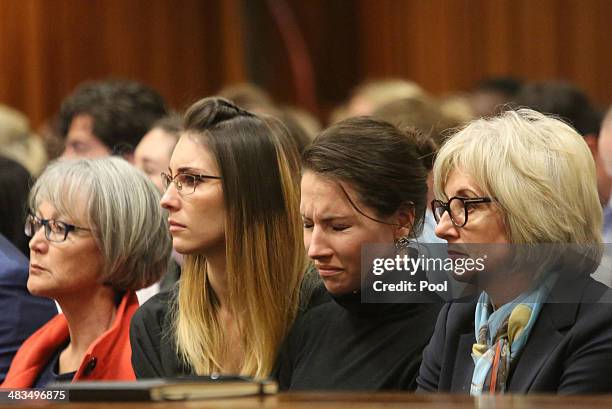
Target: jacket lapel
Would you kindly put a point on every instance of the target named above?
(464, 365)
(558, 313)
(543, 339)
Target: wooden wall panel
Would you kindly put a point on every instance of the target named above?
(190, 48)
(447, 45)
(185, 49)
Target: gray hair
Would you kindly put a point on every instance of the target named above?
(121, 206)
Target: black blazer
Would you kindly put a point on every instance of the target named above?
(569, 350)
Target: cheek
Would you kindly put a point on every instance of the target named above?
(306, 239)
(349, 252)
(157, 181)
(500, 234)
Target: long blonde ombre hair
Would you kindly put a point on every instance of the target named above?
(259, 166)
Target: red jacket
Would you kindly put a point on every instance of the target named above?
(108, 357)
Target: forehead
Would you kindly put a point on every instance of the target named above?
(323, 197)
(81, 126)
(74, 214)
(155, 144)
(458, 182)
(190, 153)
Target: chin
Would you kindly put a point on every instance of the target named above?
(38, 290)
(183, 248)
(187, 247)
(337, 287)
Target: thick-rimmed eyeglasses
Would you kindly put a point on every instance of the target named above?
(55, 230)
(457, 208)
(185, 183)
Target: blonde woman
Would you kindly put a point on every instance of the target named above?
(233, 202)
(518, 182)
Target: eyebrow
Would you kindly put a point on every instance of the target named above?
(148, 160)
(188, 169)
(466, 192)
(328, 219)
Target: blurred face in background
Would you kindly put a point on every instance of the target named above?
(604, 158)
(81, 142)
(152, 155)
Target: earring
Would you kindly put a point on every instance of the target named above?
(402, 243)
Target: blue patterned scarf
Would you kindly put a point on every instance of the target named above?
(502, 334)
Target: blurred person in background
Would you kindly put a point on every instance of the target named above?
(152, 156)
(22, 312)
(51, 137)
(371, 95)
(15, 182)
(302, 126)
(98, 235)
(605, 155)
(456, 108)
(108, 117)
(153, 152)
(248, 96)
(572, 105)
(490, 95)
(19, 143)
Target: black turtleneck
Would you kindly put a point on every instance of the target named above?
(344, 344)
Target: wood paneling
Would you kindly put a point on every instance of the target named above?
(190, 48)
(447, 45)
(185, 49)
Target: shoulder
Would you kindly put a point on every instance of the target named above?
(151, 338)
(459, 312)
(153, 314)
(595, 307)
(312, 322)
(455, 318)
(312, 290)
(13, 265)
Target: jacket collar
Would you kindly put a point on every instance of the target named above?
(558, 314)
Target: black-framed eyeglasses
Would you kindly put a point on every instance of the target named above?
(457, 208)
(185, 183)
(55, 230)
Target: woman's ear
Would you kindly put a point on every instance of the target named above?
(405, 217)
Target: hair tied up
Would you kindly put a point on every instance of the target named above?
(212, 111)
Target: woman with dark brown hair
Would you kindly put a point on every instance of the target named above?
(363, 183)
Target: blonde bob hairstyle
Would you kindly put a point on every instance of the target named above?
(121, 207)
(538, 169)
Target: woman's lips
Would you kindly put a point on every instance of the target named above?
(174, 226)
(328, 271)
(36, 268)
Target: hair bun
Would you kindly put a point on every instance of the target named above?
(425, 145)
(211, 111)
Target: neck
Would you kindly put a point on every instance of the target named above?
(217, 276)
(89, 316)
(503, 291)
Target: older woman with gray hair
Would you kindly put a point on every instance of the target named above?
(524, 185)
(98, 235)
